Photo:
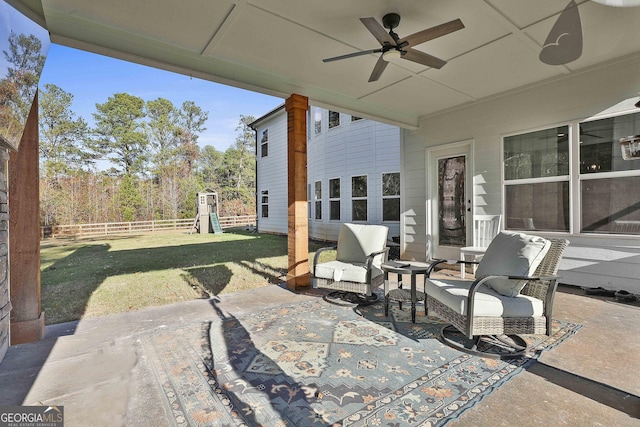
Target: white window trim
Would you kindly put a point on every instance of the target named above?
(574, 178)
(313, 120)
(383, 197)
(315, 201)
(334, 199)
(263, 194)
(560, 178)
(309, 210)
(358, 198)
(329, 127)
(262, 144)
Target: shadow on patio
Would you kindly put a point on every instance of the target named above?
(104, 371)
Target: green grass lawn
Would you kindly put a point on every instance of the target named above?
(98, 276)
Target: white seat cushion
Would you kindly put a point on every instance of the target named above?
(345, 271)
(488, 302)
(512, 254)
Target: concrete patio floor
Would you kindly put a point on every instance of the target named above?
(97, 369)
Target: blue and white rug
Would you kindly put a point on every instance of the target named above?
(319, 364)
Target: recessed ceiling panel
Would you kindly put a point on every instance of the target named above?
(188, 24)
(503, 65)
(418, 94)
(524, 13)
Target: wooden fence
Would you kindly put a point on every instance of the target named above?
(108, 228)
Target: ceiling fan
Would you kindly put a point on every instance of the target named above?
(394, 47)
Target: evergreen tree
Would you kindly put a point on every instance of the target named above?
(63, 136)
(119, 132)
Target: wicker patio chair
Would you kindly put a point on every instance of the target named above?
(491, 319)
(355, 273)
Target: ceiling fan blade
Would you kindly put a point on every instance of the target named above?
(432, 33)
(351, 55)
(378, 69)
(423, 58)
(378, 31)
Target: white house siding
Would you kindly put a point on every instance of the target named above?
(361, 147)
(271, 172)
(612, 262)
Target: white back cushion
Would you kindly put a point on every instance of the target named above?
(357, 241)
(512, 254)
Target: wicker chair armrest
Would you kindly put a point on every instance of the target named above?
(532, 277)
(433, 266)
(316, 257)
(372, 255)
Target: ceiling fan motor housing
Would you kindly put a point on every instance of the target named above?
(391, 20)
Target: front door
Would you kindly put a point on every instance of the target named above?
(449, 216)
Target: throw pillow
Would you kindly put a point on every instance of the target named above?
(512, 254)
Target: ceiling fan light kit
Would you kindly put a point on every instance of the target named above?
(619, 3)
(392, 55)
(395, 48)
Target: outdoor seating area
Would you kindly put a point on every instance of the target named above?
(144, 367)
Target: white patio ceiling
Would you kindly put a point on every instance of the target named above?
(277, 46)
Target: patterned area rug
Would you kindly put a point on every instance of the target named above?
(315, 363)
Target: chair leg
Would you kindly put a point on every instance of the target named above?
(350, 299)
(463, 267)
(503, 348)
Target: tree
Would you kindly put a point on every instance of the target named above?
(17, 89)
(162, 127)
(131, 201)
(119, 133)
(191, 120)
(209, 164)
(62, 135)
(246, 146)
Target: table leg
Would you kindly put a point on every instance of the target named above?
(413, 298)
(386, 293)
(399, 287)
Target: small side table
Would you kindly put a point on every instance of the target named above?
(412, 268)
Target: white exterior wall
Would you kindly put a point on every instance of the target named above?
(591, 260)
(361, 147)
(271, 172)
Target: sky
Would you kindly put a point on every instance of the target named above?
(92, 79)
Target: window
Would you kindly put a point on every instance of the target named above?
(334, 119)
(318, 199)
(536, 178)
(609, 196)
(309, 200)
(540, 193)
(334, 199)
(359, 198)
(264, 146)
(391, 196)
(354, 118)
(264, 204)
(317, 120)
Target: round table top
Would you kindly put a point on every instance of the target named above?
(405, 267)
